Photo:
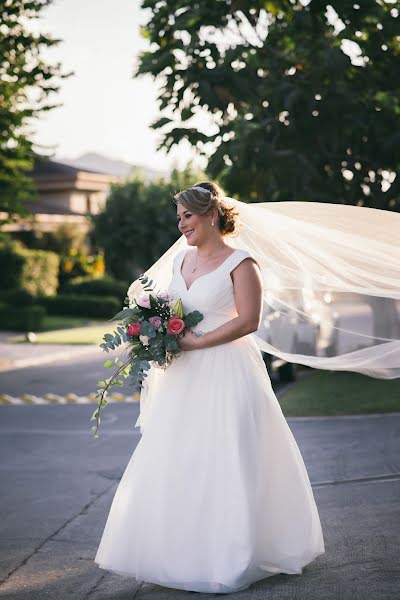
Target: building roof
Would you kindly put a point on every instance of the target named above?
(44, 167)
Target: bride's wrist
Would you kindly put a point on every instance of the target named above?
(200, 341)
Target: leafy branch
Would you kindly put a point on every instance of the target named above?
(104, 386)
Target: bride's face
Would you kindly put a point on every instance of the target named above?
(196, 228)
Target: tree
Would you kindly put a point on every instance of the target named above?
(295, 117)
(138, 223)
(26, 82)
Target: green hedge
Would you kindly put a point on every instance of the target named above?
(16, 298)
(24, 318)
(102, 286)
(103, 307)
(34, 271)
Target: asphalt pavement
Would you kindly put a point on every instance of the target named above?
(45, 373)
(59, 374)
(58, 482)
(76, 374)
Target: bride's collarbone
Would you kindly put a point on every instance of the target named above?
(189, 262)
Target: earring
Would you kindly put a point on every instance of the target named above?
(212, 222)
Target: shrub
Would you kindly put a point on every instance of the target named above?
(103, 307)
(34, 271)
(75, 265)
(103, 286)
(65, 238)
(25, 318)
(16, 298)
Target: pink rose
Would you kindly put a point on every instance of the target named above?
(163, 295)
(143, 301)
(134, 328)
(155, 321)
(175, 325)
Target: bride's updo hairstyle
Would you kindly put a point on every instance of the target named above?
(202, 197)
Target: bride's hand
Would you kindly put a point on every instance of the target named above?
(189, 341)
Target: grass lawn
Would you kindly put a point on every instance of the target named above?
(331, 393)
(89, 334)
(50, 323)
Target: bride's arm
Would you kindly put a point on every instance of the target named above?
(248, 292)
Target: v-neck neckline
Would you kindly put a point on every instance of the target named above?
(205, 274)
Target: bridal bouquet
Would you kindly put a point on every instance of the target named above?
(150, 327)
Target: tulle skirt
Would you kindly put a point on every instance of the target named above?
(216, 495)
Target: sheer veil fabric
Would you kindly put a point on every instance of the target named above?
(331, 275)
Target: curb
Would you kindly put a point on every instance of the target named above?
(67, 399)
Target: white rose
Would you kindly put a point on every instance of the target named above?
(144, 300)
(163, 295)
(144, 339)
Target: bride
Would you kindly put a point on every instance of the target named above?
(216, 495)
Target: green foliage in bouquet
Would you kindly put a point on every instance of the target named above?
(146, 330)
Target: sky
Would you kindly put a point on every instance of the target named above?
(104, 110)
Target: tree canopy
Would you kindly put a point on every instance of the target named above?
(304, 96)
(26, 83)
(138, 223)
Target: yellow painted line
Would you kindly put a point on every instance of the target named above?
(67, 399)
(53, 398)
(6, 399)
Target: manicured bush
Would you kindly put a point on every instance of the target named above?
(97, 307)
(34, 271)
(103, 286)
(16, 298)
(24, 318)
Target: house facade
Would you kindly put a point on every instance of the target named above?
(66, 194)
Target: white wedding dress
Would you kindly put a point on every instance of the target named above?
(216, 495)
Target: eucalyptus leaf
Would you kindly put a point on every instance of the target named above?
(126, 313)
(95, 415)
(123, 333)
(148, 329)
(193, 318)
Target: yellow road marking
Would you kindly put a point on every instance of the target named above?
(67, 399)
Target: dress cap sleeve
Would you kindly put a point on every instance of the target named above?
(237, 257)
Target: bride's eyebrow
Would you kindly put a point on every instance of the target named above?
(185, 211)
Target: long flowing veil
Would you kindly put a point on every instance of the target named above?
(331, 275)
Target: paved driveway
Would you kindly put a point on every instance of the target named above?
(57, 484)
